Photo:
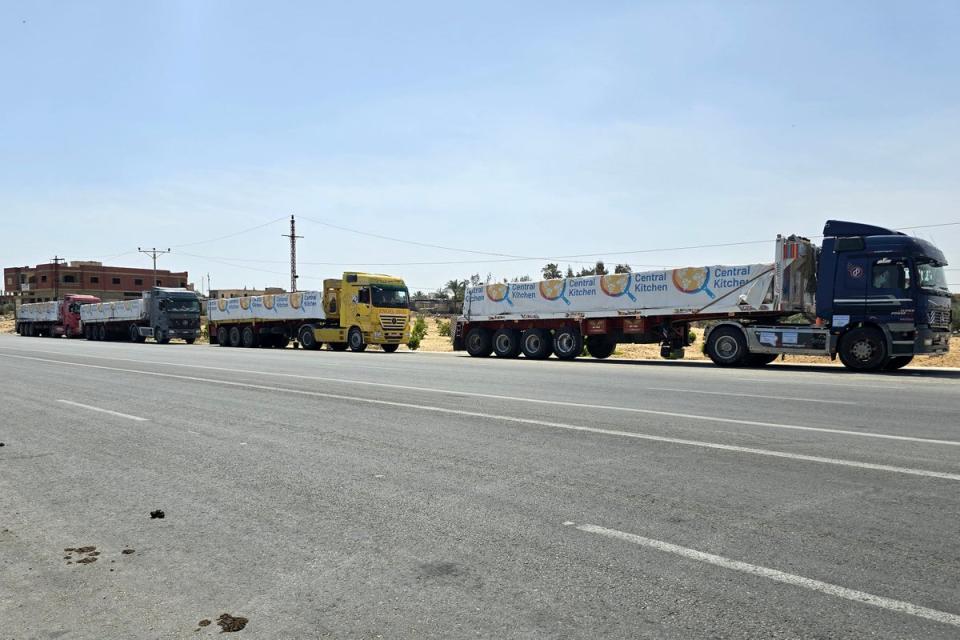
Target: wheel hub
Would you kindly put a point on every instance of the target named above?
(727, 347)
(862, 350)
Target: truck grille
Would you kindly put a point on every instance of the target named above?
(393, 322)
(938, 318)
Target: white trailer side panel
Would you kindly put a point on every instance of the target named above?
(691, 290)
(39, 312)
(119, 311)
(303, 305)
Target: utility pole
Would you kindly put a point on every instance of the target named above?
(293, 253)
(153, 253)
(57, 261)
(208, 284)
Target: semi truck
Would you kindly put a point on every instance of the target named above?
(871, 296)
(352, 312)
(161, 313)
(56, 318)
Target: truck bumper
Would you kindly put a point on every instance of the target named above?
(929, 341)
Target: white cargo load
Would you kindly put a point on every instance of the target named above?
(119, 311)
(691, 290)
(39, 312)
(303, 305)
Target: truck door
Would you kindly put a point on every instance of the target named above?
(850, 288)
(888, 294)
(363, 306)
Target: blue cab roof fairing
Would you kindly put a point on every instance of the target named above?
(842, 228)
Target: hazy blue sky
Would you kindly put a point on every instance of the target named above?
(526, 128)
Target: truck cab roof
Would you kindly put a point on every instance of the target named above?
(880, 239)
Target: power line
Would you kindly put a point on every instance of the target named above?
(230, 235)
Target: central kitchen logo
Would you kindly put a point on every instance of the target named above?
(499, 293)
(617, 285)
(222, 304)
(693, 280)
(554, 290)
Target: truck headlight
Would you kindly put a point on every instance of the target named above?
(928, 342)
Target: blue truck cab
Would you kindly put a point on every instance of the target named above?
(882, 294)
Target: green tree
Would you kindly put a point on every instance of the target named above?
(622, 268)
(457, 288)
(551, 271)
(600, 269)
(570, 273)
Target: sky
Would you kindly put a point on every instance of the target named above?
(530, 129)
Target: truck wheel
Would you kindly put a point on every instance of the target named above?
(567, 343)
(601, 346)
(234, 336)
(161, 337)
(863, 349)
(248, 338)
(280, 341)
(338, 346)
(134, 334)
(355, 339)
(727, 347)
(306, 338)
(223, 337)
(102, 332)
(506, 343)
(897, 362)
(536, 344)
(760, 359)
(389, 348)
(189, 340)
(478, 342)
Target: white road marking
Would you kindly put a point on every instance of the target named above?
(543, 423)
(749, 395)
(561, 403)
(113, 413)
(779, 576)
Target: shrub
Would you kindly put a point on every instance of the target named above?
(414, 343)
(443, 327)
(417, 333)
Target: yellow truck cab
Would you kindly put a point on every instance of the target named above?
(362, 309)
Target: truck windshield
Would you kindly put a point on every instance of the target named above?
(180, 305)
(392, 297)
(932, 276)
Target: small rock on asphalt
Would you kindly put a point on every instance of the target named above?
(156, 514)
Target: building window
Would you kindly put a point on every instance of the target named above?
(70, 278)
(94, 279)
(116, 281)
(9, 280)
(138, 281)
(43, 278)
(183, 285)
(159, 284)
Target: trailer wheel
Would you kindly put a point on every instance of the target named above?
(223, 336)
(248, 338)
(478, 342)
(897, 362)
(235, 336)
(102, 332)
(189, 340)
(339, 346)
(306, 338)
(536, 344)
(601, 346)
(863, 349)
(506, 343)
(134, 334)
(567, 343)
(727, 347)
(390, 348)
(355, 339)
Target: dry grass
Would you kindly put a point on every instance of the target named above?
(7, 324)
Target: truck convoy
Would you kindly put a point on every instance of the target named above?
(872, 296)
(52, 319)
(355, 311)
(161, 314)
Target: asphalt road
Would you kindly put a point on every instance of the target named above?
(408, 495)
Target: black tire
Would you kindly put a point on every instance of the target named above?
(102, 332)
(727, 347)
(306, 338)
(389, 348)
(162, 338)
(536, 344)
(355, 339)
(897, 362)
(478, 342)
(223, 336)
(189, 340)
(506, 343)
(280, 341)
(567, 343)
(133, 333)
(761, 359)
(601, 346)
(339, 346)
(235, 336)
(863, 349)
(248, 338)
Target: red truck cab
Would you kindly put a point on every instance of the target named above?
(69, 325)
